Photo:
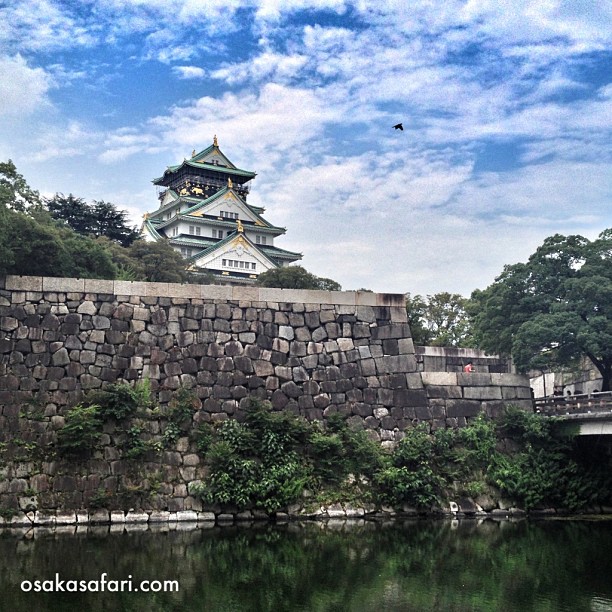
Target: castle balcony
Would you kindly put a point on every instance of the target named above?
(201, 182)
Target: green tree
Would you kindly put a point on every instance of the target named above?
(97, 219)
(553, 309)
(439, 320)
(158, 262)
(15, 193)
(37, 246)
(416, 307)
(295, 277)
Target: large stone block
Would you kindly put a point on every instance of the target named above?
(446, 391)
(482, 393)
(24, 283)
(92, 285)
(462, 408)
(214, 292)
(342, 297)
(474, 379)
(409, 397)
(391, 364)
(365, 298)
(63, 284)
(439, 378)
(128, 288)
(393, 330)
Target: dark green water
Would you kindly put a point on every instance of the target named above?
(420, 566)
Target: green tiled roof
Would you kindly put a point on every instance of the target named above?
(274, 252)
(194, 163)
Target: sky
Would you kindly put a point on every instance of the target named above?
(505, 104)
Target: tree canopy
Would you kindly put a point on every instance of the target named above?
(296, 277)
(15, 193)
(553, 309)
(439, 320)
(157, 262)
(96, 219)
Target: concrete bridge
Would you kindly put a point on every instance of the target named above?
(591, 412)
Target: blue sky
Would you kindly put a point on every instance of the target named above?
(506, 107)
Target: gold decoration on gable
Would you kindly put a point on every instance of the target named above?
(260, 223)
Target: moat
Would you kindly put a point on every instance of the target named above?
(560, 565)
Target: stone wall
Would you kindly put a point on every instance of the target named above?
(314, 353)
(452, 359)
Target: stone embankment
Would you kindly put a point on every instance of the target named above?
(463, 509)
(314, 353)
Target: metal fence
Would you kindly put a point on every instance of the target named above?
(575, 404)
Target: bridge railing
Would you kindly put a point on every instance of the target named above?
(574, 404)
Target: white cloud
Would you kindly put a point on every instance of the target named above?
(23, 89)
(35, 25)
(189, 72)
(269, 66)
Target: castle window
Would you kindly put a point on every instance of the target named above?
(191, 229)
(261, 239)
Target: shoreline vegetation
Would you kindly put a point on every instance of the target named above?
(268, 465)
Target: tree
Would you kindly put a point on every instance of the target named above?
(158, 262)
(439, 320)
(295, 277)
(553, 309)
(97, 219)
(37, 246)
(15, 193)
(416, 307)
(113, 223)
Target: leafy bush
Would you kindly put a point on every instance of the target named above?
(138, 443)
(255, 464)
(182, 407)
(121, 400)
(545, 470)
(81, 431)
(413, 477)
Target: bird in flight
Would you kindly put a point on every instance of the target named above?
(399, 126)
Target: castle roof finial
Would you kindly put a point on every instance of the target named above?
(215, 142)
(229, 182)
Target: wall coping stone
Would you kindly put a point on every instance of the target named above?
(213, 292)
(452, 351)
(439, 378)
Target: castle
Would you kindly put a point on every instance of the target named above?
(204, 214)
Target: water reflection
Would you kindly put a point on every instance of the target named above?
(420, 566)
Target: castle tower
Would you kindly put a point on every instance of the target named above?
(203, 213)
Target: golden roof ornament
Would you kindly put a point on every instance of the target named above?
(240, 228)
(215, 143)
(229, 182)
